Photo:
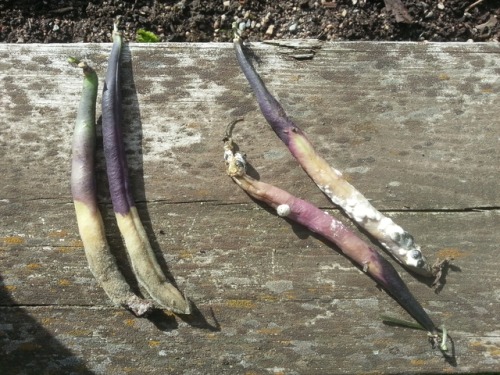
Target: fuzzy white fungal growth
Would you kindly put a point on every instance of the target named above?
(414, 257)
(384, 224)
(400, 244)
(336, 200)
(390, 228)
(228, 155)
(240, 160)
(235, 161)
(360, 209)
(283, 210)
(365, 266)
(395, 232)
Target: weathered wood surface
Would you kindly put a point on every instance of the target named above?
(414, 126)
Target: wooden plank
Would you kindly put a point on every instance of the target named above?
(401, 119)
(412, 125)
(299, 307)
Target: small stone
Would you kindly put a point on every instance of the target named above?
(293, 27)
(270, 30)
(440, 6)
(55, 28)
(226, 3)
(242, 26)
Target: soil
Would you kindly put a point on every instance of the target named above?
(74, 21)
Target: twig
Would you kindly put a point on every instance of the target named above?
(474, 4)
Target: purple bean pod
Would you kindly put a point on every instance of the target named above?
(143, 260)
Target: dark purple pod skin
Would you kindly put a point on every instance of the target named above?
(116, 161)
(320, 222)
(271, 109)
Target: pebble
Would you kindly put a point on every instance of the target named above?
(55, 28)
(293, 27)
(270, 30)
(242, 26)
(440, 6)
(265, 20)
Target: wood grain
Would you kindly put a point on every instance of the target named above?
(413, 126)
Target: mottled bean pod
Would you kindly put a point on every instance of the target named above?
(143, 259)
(83, 188)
